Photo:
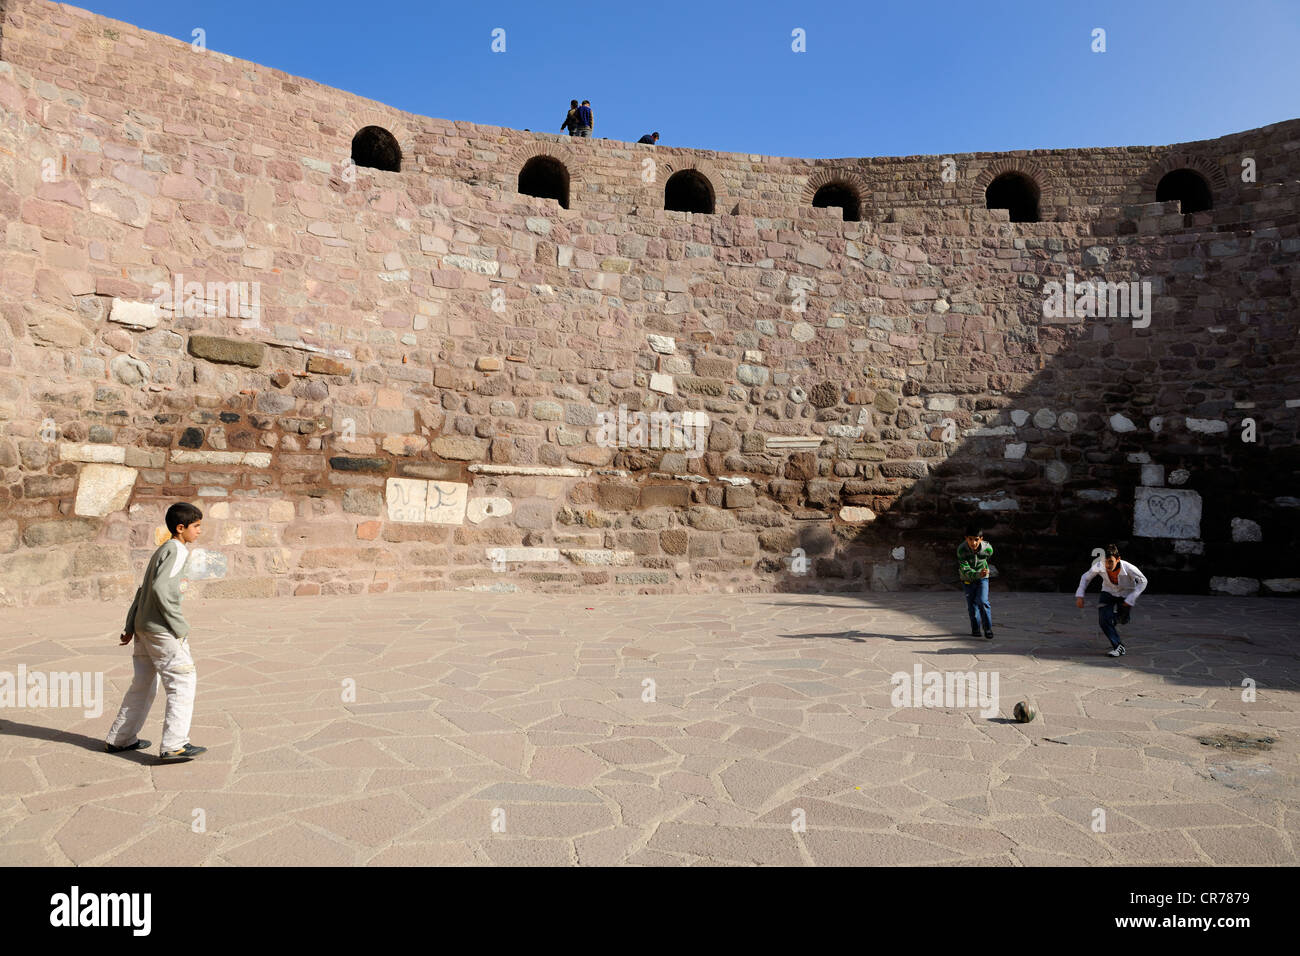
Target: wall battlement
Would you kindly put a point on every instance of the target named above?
(380, 379)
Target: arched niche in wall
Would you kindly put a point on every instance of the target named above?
(380, 142)
(682, 183)
(836, 187)
(376, 148)
(1022, 188)
(545, 177)
(544, 171)
(689, 190)
(1191, 179)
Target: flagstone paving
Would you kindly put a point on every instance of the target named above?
(556, 730)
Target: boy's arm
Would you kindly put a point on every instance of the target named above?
(167, 593)
(129, 626)
(963, 563)
(1140, 585)
(1084, 581)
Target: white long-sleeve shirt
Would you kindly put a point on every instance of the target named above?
(1131, 582)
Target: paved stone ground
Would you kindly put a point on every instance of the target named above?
(530, 706)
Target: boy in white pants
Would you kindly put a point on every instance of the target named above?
(1121, 583)
(162, 647)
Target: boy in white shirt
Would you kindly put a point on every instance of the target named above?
(162, 652)
(1121, 583)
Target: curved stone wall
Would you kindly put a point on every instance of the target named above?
(422, 379)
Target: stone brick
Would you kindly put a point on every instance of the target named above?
(363, 501)
(44, 534)
(743, 496)
(323, 365)
(665, 496)
(459, 448)
(673, 541)
(617, 497)
(227, 351)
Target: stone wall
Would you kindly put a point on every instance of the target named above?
(395, 380)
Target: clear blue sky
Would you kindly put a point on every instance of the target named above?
(878, 78)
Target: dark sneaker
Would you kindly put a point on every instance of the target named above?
(988, 635)
(138, 745)
(1116, 651)
(188, 752)
(974, 632)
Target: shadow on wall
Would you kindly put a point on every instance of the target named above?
(1172, 438)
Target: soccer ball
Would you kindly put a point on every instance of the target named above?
(1024, 712)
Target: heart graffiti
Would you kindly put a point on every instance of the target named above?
(1164, 508)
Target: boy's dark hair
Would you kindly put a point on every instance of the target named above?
(974, 530)
(182, 513)
(1112, 551)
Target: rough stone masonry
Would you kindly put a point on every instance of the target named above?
(376, 347)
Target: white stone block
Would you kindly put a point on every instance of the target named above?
(1166, 513)
(445, 502)
(103, 454)
(523, 554)
(480, 509)
(103, 489)
(407, 499)
(135, 315)
(1207, 426)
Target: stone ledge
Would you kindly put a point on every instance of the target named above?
(256, 459)
(540, 470)
(99, 454)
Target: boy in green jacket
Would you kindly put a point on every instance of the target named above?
(162, 649)
(973, 565)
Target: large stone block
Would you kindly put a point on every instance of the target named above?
(43, 534)
(459, 448)
(29, 569)
(665, 496)
(227, 351)
(103, 489)
(1166, 513)
(134, 315)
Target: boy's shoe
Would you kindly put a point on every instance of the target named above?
(188, 752)
(140, 744)
(1116, 651)
(988, 635)
(974, 632)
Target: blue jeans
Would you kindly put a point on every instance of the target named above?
(977, 599)
(1111, 610)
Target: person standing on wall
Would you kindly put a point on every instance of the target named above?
(649, 139)
(571, 121)
(585, 119)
